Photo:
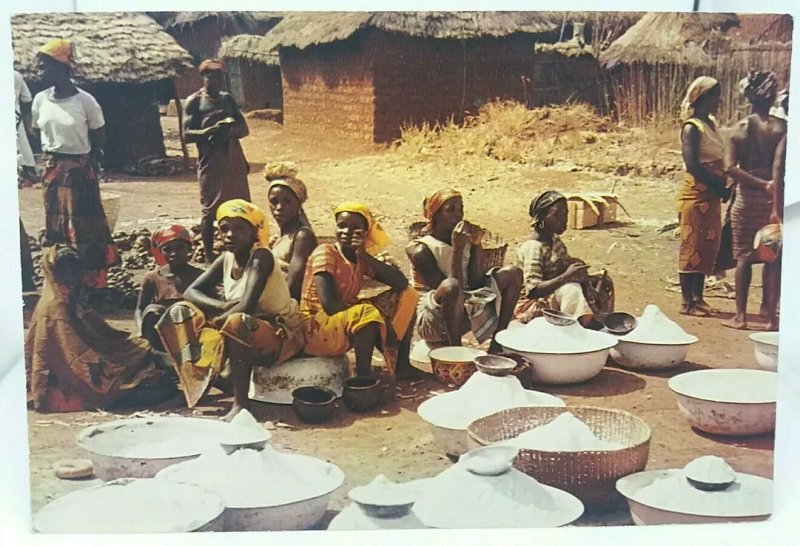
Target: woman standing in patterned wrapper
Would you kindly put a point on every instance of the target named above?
(72, 134)
(701, 194)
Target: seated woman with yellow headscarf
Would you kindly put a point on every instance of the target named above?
(294, 245)
(255, 323)
(334, 320)
(75, 361)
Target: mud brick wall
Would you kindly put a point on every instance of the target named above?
(328, 90)
(421, 80)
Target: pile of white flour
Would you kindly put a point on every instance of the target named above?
(656, 327)
(564, 433)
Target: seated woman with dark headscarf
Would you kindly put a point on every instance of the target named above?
(74, 360)
(552, 278)
(294, 245)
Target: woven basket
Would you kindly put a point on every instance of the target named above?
(494, 247)
(589, 475)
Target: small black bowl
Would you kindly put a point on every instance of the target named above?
(362, 394)
(313, 404)
(708, 486)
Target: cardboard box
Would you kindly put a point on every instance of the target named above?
(581, 215)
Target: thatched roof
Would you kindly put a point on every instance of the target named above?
(304, 29)
(248, 47)
(229, 22)
(671, 38)
(108, 47)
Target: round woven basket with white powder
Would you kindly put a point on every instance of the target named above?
(589, 475)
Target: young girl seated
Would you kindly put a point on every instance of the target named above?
(74, 360)
(164, 286)
(334, 321)
(296, 241)
(256, 323)
(552, 278)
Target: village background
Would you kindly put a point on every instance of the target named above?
(515, 152)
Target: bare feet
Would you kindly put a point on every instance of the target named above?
(693, 311)
(233, 413)
(737, 323)
(772, 326)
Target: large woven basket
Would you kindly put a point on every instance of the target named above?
(589, 475)
(494, 247)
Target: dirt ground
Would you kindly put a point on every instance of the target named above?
(395, 441)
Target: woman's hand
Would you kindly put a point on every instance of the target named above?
(359, 242)
(770, 187)
(576, 272)
(462, 235)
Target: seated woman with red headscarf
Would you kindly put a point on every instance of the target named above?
(255, 323)
(335, 321)
(171, 247)
(459, 295)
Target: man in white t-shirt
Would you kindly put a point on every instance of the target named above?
(22, 108)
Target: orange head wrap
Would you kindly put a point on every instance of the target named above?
(211, 64)
(432, 204)
(58, 49)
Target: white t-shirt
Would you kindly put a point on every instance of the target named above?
(65, 123)
(21, 91)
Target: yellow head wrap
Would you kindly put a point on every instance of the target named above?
(697, 89)
(58, 49)
(376, 238)
(239, 208)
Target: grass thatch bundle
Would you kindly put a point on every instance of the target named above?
(107, 47)
(248, 47)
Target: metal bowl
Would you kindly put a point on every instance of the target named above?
(558, 318)
(620, 323)
(494, 365)
(490, 460)
(765, 346)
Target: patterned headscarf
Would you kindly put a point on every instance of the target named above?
(211, 64)
(284, 174)
(540, 205)
(376, 238)
(432, 204)
(759, 86)
(52, 289)
(165, 235)
(780, 109)
(696, 90)
(58, 49)
(239, 208)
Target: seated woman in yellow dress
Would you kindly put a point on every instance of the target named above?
(334, 320)
(255, 323)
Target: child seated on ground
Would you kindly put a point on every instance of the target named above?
(334, 320)
(171, 247)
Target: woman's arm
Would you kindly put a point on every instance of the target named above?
(384, 273)
(425, 264)
(97, 138)
(475, 268)
(240, 128)
(328, 295)
(198, 292)
(258, 270)
(192, 120)
(778, 180)
(690, 150)
(304, 244)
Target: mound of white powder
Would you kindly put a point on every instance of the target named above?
(674, 493)
(480, 396)
(656, 327)
(135, 506)
(457, 498)
(564, 433)
(539, 336)
(248, 478)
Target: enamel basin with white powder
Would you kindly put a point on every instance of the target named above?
(559, 355)
(451, 413)
(264, 490)
(765, 347)
(736, 402)
(133, 506)
(141, 447)
(657, 342)
(668, 497)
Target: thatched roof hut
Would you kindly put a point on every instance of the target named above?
(108, 47)
(655, 60)
(365, 74)
(254, 74)
(125, 60)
